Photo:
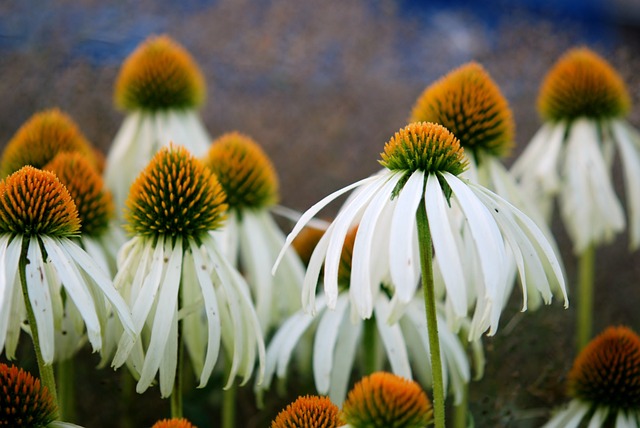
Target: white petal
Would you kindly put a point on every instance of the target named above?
(598, 418)
(40, 299)
(569, 417)
(316, 262)
(325, 340)
(346, 347)
(393, 340)
(9, 262)
(630, 157)
(169, 363)
(444, 243)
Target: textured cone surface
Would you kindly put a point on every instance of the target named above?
(309, 412)
(24, 402)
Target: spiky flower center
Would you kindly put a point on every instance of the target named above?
(386, 400)
(173, 423)
(39, 139)
(35, 202)
(86, 187)
(244, 170)
(175, 195)
(424, 146)
(159, 74)
(607, 371)
(469, 104)
(24, 402)
(309, 412)
(582, 84)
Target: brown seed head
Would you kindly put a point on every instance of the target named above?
(24, 402)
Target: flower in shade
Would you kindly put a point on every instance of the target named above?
(251, 238)
(41, 138)
(423, 161)
(38, 221)
(338, 337)
(604, 383)
(384, 400)
(583, 102)
(309, 411)
(160, 87)
(176, 280)
(173, 423)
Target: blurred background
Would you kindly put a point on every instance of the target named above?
(322, 85)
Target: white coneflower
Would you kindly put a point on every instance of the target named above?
(604, 383)
(250, 237)
(583, 102)
(179, 285)
(38, 220)
(338, 337)
(160, 87)
(409, 205)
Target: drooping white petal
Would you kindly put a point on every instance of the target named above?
(169, 362)
(316, 262)
(392, 339)
(325, 340)
(598, 418)
(315, 209)
(164, 314)
(444, 244)
(404, 265)
(569, 417)
(8, 279)
(629, 145)
(346, 347)
(40, 299)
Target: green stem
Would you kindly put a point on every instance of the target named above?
(176, 396)
(66, 390)
(461, 411)
(46, 370)
(229, 405)
(585, 297)
(369, 346)
(426, 266)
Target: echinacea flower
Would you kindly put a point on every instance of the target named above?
(41, 138)
(423, 161)
(309, 411)
(583, 102)
(338, 338)
(173, 423)
(179, 285)
(251, 239)
(604, 383)
(384, 400)
(25, 402)
(160, 87)
(38, 221)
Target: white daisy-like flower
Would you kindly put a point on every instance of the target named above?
(160, 86)
(583, 102)
(251, 239)
(423, 161)
(178, 284)
(38, 221)
(604, 383)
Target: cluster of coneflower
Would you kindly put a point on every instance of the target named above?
(166, 255)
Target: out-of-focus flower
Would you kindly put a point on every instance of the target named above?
(173, 423)
(160, 87)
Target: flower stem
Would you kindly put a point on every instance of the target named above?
(426, 265)
(66, 387)
(585, 297)
(369, 346)
(46, 370)
(229, 405)
(461, 411)
(176, 396)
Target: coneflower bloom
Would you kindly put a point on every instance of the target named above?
(309, 411)
(178, 284)
(38, 223)
(583, 102)
(604, 383)
(41, 138)
(384, 400)
(251, 238)
(423, 161)
(25, 402)
(160, 87)
(173, 423)
(338, 337)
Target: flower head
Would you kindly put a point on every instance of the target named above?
(24, 402)
(175, 195)
(244, 170)
(158, 75)
(86, 187)
(173, 423)
(309, 411)
(43, 136)
(469, 104)
(582, 84)
(384, 400)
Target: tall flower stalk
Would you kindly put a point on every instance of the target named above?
(422, 162)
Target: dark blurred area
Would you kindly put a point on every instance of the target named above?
(322, 85)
